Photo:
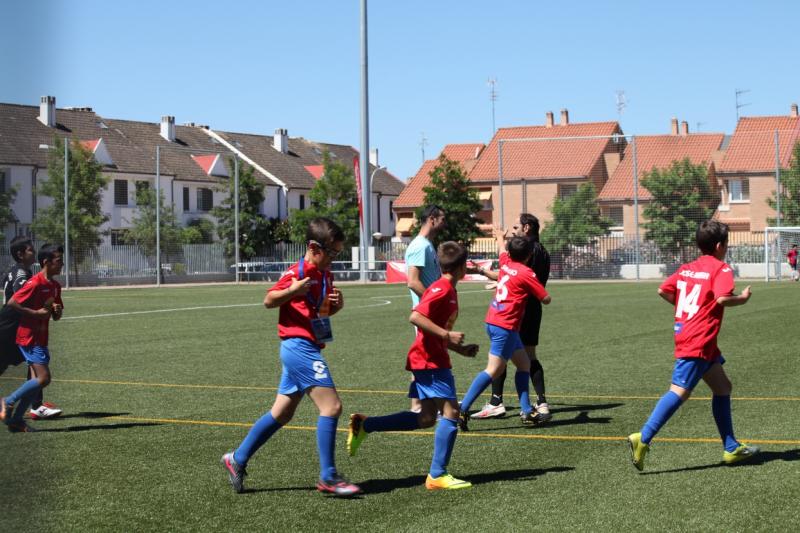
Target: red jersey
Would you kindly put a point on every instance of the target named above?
(516, 283)
(792, 255)
(294, 319)
(32, 331)
(439, 303)
(698, 317)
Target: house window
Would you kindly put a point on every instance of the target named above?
(739, 190)
(565, 191)
(118, 236)
(616, 216)
(391, 212)
(2, 181)
(186, 198)
(302, 201)
(120, 192)
(205, 200)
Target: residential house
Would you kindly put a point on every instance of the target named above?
(654, 151)
(541, 163)
(748, 171)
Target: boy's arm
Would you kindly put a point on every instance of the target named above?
(414, 282)
(336, 299)
(278, 297)
(428, 326)
(668, 296)
(44, 312)
(735, 299)
(500, 238)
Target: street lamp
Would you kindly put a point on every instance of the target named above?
(66, 206)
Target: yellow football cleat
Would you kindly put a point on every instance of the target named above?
(446, 482)
(638, 450)
(355, 433)
(741, 453)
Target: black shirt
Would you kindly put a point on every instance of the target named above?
(540, 262)
(14, 278)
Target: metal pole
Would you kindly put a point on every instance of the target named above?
(500, 181)
(66, 211)
(636, 206)
(365, 185)
(236, 212)
(158, 216)
(766, 255)
(778, 203)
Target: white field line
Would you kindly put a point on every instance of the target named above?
(382, 300)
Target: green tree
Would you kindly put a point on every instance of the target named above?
(198, 231)
(577, 221)
(253, 226)
(143, 226)
(450, 189)
(682, 198)
(7, 196)
(84, 207)
(333, 196)
(790, 193)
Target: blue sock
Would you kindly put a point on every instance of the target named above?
(23, 404)
(664, 409)
(721, 408)
(326, 446)
(402, 421)
(521, 381)
(261, 431)
(443, 441)
(14, 397)
(479, 384)
(21, 399)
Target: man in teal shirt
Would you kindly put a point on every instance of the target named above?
(422, 264)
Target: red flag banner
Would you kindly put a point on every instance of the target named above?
(357, 172)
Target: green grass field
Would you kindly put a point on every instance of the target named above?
(155, 391)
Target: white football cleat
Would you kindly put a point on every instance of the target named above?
(490, 411)
(45, 411)
(543, 412)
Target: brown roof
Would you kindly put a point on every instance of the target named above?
(752, 147)
(550, 157)
(658, 151)
(413, 196)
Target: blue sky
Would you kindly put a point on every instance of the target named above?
(253, 66)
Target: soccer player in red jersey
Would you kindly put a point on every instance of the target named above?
(700, 291)
(306, 297)
(517, 283)
(36, 302)
(792, 257)
(429, 361)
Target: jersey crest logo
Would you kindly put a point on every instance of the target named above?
(436, 289)
(726, 269)
(678, 327)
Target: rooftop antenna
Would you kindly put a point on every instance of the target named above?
(492, 83)
(740, 92)
(697, 126)
(423, 142)
(622, 103)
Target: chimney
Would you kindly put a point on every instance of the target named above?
(794, 111)
(373, 157)
(168, 128)
(564, 117)
(548, 122)
(281, 140)
(684, 128)
(47, 111)
(674, 128)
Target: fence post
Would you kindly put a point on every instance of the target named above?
(158, 216)
(778, 202)
(500, 180)
(236, 213)
(636, 205)
(66, 212)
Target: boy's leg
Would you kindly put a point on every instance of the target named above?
(522, 362)
(498, 384)
(720, 386)
(494, 367)
(22, 397)
(443, 442)
(281, 413)
(537, 375)
(330, 409)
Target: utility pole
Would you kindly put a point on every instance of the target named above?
(622, 103)
(492, 83)
(423, 142)
(739, 105)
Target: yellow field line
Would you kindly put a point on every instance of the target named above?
(462, 434)
(391, 392)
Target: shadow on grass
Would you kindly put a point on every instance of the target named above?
(581, 418)
(378, 486)
(125, 425)
(90, 414)
(760, 459)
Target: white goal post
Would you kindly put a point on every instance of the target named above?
(778, 240)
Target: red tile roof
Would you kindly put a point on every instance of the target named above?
(316, 170)
(658, 151)
(206, 162)
(550, 158)
(90, 145)
(752, 147)
(413, 196)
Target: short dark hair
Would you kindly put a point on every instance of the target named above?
(19, 245)
(533, 222)
(709, 234)
(452, 256)
(324, 231)
(519, 248)
(430, 211)
(48, 251)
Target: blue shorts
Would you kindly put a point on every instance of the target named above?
(429, 384)
(303, 367)
(504, 342)
(689, 371)
(36, 355)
